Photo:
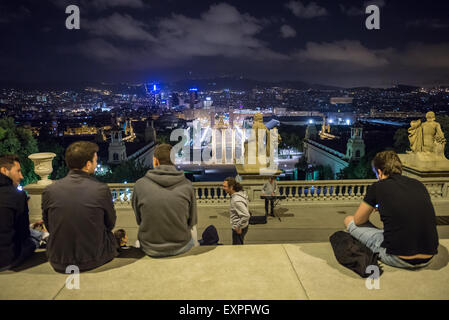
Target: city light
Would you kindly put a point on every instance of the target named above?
(310, 121)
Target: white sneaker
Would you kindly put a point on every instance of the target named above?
(137, 244)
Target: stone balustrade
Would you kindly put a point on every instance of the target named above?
(296, 192)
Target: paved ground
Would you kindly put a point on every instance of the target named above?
(305, 222)
(297, 224)
(277, 271)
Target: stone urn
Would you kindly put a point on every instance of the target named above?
(43, 166)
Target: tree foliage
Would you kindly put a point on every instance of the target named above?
(292, 137)
(401, 141)
(358, 169)
(60, 169)
(129, 171)
(18, 141)
(444, 122)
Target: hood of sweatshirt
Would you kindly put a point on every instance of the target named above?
(240, 196)
(166, 175)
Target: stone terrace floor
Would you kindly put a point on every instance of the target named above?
(299, 271)
(290, 259)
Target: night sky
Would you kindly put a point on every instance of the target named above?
(323, 42)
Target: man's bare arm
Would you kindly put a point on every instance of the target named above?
(363, 213)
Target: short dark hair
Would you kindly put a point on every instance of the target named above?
(7, 161)
(232, 183)
(79, 153)
(119, 235)
(162, 154)
(388, 162)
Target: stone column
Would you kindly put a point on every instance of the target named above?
(223, 146)
(214, 146)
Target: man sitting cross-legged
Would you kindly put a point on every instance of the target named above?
(409, 238)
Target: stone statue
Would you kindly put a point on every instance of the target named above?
(427, 137)
(427, 142)
(252, 164)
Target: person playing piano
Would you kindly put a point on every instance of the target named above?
(269, 189)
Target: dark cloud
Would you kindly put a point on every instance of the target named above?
(221, 31)
(101, 4)
(312, 10)
(428, 23)
(121, 26)
(287, 31)
(360, 11)
(351, 52)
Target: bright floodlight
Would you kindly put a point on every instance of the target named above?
(310, 121)
(348, 122)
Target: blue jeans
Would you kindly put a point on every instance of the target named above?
(27, 249)
(373, 238)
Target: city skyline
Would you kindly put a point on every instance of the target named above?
(318, 42)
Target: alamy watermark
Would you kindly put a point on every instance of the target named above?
(373, 281)
(73, 20)
(373, 21)
(73, 280)
(226, 146)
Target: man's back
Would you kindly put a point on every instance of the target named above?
(79, 214)
(165, 206)
(407, 213)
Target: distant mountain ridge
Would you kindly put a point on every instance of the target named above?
(240, 83)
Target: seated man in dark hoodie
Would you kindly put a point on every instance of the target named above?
(17, 240)
(164, 203)
(79, 214)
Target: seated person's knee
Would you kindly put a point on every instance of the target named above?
(348, 220)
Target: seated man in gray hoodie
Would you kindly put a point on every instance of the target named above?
(164, 203)
(239, 211)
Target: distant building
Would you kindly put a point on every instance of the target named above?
(193, 97)
(324, 150)
(150, 132)
(341, 100)
(84, 130)
(119, 150)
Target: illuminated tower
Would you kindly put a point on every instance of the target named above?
(193, 97)
(355, 148)
(117, 148)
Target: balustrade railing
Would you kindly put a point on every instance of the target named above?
(211, 193)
